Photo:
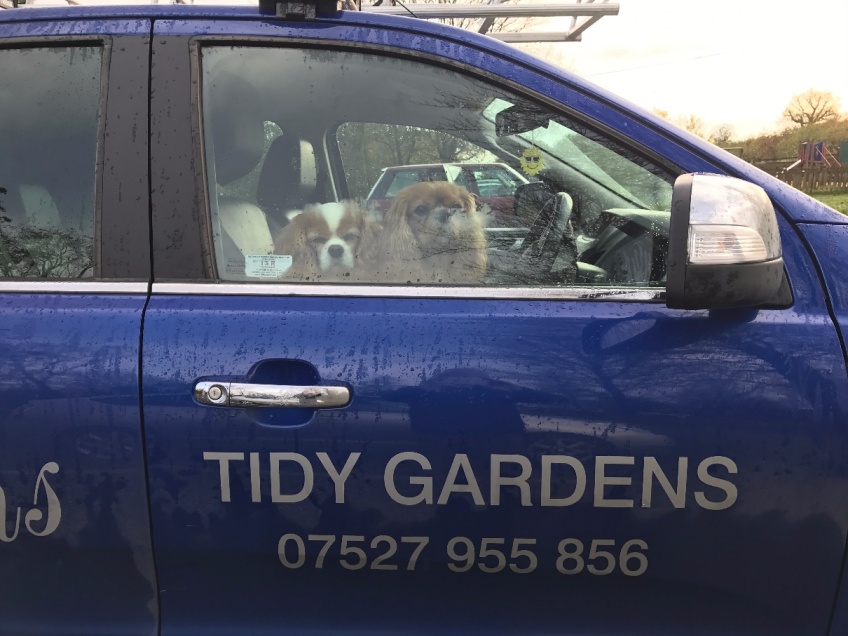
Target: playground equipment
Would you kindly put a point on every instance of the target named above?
(817, 154)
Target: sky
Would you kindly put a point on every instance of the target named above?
(730, 62)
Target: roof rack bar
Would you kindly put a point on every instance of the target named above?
(535, 36)
(437, 11)
(487, 23)
(576, 32)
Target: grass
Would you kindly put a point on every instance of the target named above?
(836, 200)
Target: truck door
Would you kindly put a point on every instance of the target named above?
(532, 450)
(74, 273)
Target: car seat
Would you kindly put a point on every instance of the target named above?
(237, 137)
(289, 178)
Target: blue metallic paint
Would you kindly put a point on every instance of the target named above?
(41, 23)
(829, 246)
(439, 377)
(69, 394)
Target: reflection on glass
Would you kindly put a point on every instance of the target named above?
(385, 171)
(49, 98)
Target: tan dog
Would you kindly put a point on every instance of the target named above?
(331, 242)
(433, 234)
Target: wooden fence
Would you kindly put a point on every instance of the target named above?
(815, 178)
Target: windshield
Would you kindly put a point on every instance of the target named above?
(581, 149)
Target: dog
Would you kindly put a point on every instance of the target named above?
(335, 242)
(433, 234)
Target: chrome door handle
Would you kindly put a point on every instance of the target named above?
(275, 396)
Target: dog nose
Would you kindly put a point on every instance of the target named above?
(336, 251)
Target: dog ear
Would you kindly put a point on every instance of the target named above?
(368, 250)
(470, 201)
(471, 260)
(396, 214)
(291, 241)
(398, 241)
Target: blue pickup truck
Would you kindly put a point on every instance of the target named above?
(233, 402)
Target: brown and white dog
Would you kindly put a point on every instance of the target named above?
(335, 242)
(433, 234)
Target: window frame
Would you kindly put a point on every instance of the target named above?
(196, 44)
(105, 43)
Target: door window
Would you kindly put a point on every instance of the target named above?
(554, 202)
(49, 98)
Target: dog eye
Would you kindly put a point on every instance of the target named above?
(421, 210)
(350, 237)
(318, 240)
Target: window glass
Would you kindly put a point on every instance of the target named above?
(246, 187)
(390, 171)
(597, 158)
(400, 179)
(495, 181)
(367, 148)
(48, 143)
(453, 173)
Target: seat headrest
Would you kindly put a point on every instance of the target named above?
(289, 175)
(238, 127)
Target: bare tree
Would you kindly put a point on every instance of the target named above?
(41, 253)
(693, 124)
(447, 147)
(552, 52)
(723, 134)
(812, 107)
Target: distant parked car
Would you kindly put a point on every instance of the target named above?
(494, 184)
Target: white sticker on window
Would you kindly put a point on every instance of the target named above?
(266, 265)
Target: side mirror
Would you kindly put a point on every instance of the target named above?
(724, 246)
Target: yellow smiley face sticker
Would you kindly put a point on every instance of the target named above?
(531, 161)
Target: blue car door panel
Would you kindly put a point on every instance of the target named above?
(75, 544)
(509, 460)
